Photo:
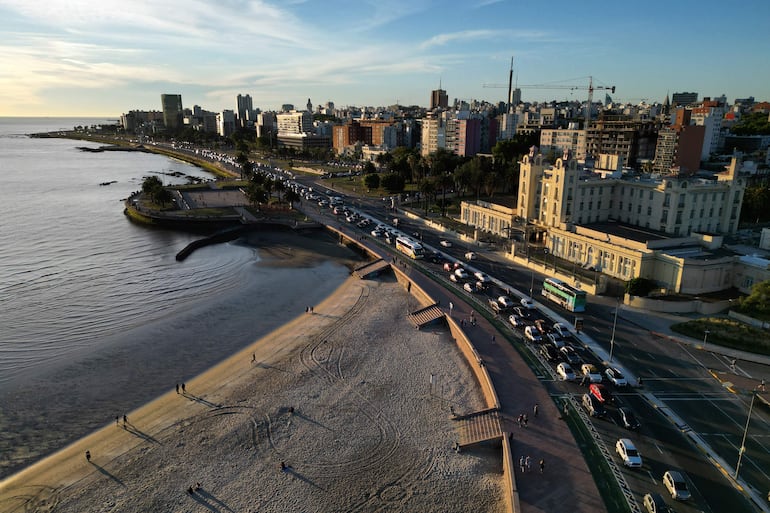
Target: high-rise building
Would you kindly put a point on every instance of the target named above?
(226, 123)
(439, 99)
(295, 122)
(172, 110)
(244, 108)
(684, 99)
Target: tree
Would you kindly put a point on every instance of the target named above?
(640, 286)
(292, 196)
(755, 201)
(755, 123)
(150, 184)
(372, 181)
(369, 167)
(256, 194)
(393, 182)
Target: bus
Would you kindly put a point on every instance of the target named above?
(559, 292)
(409, 247)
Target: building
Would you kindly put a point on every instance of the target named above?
(680, 145)
(439, 99)
(226, 123)
(266, 124)
(369, 132)
(669, 230)
(172, 110)
(682, 99)
(632, 139)
(244, 108)
(463, 133)
(294, 122)
(558, 140)
(709, 115)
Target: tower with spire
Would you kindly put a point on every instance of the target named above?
(438, 98)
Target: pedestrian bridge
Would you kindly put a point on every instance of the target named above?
(371, 269)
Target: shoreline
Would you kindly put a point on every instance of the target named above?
(132, 463)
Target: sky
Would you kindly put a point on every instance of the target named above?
(106, 57)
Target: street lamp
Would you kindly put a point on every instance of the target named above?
(532, 284)
(705, 336)
(745, 432)
(614, 324)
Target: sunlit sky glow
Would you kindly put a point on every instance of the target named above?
(105, 57)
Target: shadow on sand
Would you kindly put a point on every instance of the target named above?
(107, 473)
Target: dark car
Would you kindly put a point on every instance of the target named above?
(549, 353)
(627, 418)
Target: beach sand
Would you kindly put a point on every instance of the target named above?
(342, 396)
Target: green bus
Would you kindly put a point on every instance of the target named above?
(559, 292)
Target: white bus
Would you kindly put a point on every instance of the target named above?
(410, 247)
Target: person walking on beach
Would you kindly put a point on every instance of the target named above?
(88, 456)
(184, 390)
(117, 420)
(125, 420)
(177, 388)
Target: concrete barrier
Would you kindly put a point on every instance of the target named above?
(509, 469)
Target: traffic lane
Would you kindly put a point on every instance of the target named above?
(664, 447)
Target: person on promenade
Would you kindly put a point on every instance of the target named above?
(534, 410)
(527, 463)
(522, 465)
(542, 465)
(88, 456)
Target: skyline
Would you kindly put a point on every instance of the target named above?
(85, 58)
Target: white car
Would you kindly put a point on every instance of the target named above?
(628, 453)
(505, 302)
(676, 485)
(515, 321)
(445, 243)
(591, 372)
(616, 377)
(561, 329)
(483, 278)
(470, 255)
(527, 303)
(531, 333)
(461, 273)
(565, 372)
(469, 288)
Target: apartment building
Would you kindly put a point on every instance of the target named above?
(570, 139)
(633, 139)
(294, 122)
(172, 110)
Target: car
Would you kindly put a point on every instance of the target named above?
(445, 243)
(561, 329)
(593, 406)
(600, 392)
(565, 372)
(453, 277)
(549, 353)
(628, 453)
(527, 303)
(591, 372)
(461, 273)
(377, 233)
(494, 305)
(483, 278)
(337, 211)
(569, 354)
(521, 312)
(556, 341)
(323, 203)
(515, 320)
(436, 257)
(448, 266)
(469, 288)
(470, 255)
(616, 377)
(676, 485)
(627, 418)
(505, 302)
(532, 334)
(654, 503)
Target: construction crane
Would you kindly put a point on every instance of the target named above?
(590, 87)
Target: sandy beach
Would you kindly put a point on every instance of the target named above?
(341, 396)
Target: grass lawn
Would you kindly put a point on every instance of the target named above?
(727, 332)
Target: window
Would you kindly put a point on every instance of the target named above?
(664, 217)
(649, 211)
(650, 194)
(638, 209)
(692, 214)
(678, 218)
(620, 205)
(599, 205)
(667, 199)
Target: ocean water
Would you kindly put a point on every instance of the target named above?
(96, 315)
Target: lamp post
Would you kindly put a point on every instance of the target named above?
(532, 283)
(705, 336)
(745, 432)
(614, 324)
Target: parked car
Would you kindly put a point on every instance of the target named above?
(593, 406)
(527, 303)
(549, 353)
(565, 372)
(515, 320)
(600, 392)
(569, 354)
(676, 485)
(627, 418)
(616, 377)
(590, 371)
(532, 334)
(654, 503)
(445, 243)
(628, 453)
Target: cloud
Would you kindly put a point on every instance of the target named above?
(475, 35)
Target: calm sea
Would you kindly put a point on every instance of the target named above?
(96, 315)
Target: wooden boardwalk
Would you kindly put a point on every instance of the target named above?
(426, 315)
